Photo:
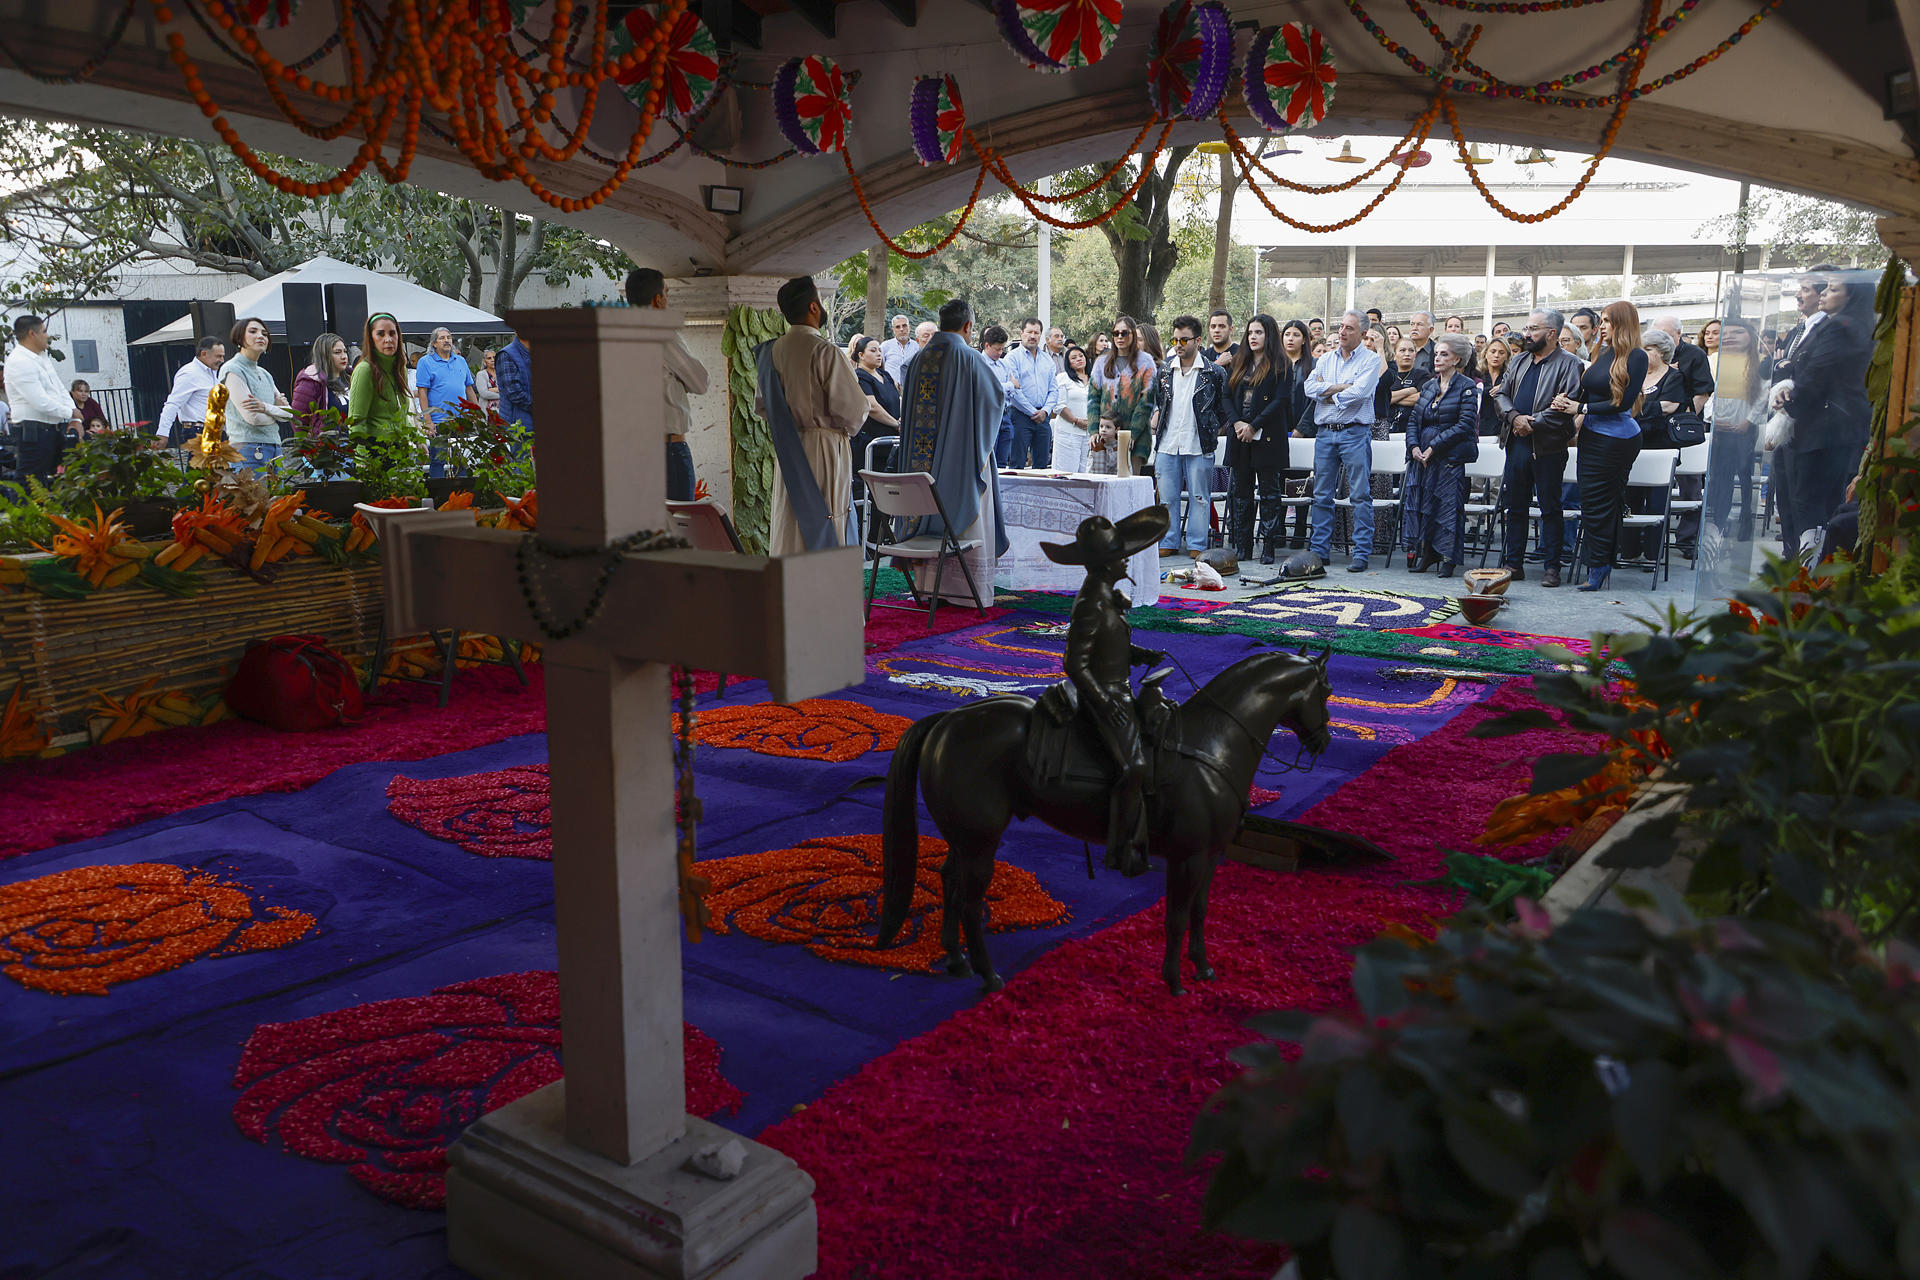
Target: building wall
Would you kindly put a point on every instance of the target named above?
(105, 326)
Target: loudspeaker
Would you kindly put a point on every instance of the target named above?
(347, 311)
(306, 310)
(212, 320)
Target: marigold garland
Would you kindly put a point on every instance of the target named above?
(824, 894)
(84, 931)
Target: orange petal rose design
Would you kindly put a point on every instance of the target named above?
(811, 729)
(80, 932)
(825, 895)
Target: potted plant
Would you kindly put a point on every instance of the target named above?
(506, 471)
(125, 470)
(1627, 1094)
(324, 454)
(472, 439)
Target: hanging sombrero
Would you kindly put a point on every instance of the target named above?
(811, 106)
(937, 119)
(693, 61)
(1058, 35)
(266, 14)
(1289, 77)
(1189, 60)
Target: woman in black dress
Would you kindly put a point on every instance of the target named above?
(1608, 435)
(1260, 403)
(1442, 438)
(883, 408)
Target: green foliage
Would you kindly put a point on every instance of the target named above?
(390, 473)
(1799, 230)
(1490, 882)
(323, 447)
(23, 516)
(1626, 1096)
(117, 467)
(753, 476)
(1794, 720)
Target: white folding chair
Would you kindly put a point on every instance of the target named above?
(1299, 458)
(1486, 469)
(910, 496)
(706, 527)
(1691, 464)
(1389, 458)
(394, 618)
(1570, 516)
(1652, 469)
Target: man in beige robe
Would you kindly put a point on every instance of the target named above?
(826, 404)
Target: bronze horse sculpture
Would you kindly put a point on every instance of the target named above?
(972, 767)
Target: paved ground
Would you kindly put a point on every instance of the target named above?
(1532, 609)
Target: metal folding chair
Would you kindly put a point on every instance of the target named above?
(1652, 469)
(912, 496)
(706, 527)
(1692, 463)
(1389, 458)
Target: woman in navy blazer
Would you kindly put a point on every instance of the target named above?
(1261, 414)
(1442, 438)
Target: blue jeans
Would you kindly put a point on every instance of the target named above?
(680, 478)
(1351, 445)
(1003, 443)
(1193, 472)
(1032, 440)
(255, 457)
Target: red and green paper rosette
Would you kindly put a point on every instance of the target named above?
(811, 105)
(693, 62)
(501, 14)
(937, 118)
(266, 15)
(1289, 77)
(1189, 60)
(1058, 35)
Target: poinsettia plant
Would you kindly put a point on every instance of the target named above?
(323, 447)
(1630, 1094)
(1793, 718)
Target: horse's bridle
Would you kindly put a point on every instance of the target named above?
(1200, 691)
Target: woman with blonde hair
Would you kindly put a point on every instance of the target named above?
(1608, 433)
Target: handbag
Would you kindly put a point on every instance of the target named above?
(1685, 427)
(294, 683)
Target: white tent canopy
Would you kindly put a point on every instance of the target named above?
(420, 311)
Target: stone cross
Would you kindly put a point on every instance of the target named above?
(589, 1176)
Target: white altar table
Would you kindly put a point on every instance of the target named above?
(1039, 506)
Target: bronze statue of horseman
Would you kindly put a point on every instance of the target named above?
(1139, 774)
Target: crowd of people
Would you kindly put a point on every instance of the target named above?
(390, 402)
(1596, 386)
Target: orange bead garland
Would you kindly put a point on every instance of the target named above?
(434, 53)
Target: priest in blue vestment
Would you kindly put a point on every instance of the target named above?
(951, 405)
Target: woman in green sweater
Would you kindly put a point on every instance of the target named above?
(377, 417)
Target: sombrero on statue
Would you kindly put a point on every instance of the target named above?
(1099, 540)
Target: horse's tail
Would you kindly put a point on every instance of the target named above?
(900, 828)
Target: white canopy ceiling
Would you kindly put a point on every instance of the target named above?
(420, 311)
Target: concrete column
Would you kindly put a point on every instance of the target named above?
(1487, 324)
(1353, 262)
(1045, 308)
(1534, 305)
(1327, 312)
(1626, 273)
(1433, 293)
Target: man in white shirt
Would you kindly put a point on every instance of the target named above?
(1189, 418)
(37, 399)
(898, 350)
(686, 376)
(185, 411)
(1032, 395)
(1340, 389)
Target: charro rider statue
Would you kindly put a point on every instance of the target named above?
(1099, 662)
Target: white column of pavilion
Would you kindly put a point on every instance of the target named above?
(589, 1177)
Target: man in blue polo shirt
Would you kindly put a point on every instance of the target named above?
(443, 380)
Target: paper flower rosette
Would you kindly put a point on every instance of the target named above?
(937, 119)
(1289, 77)
(1189, 60)
(501, 13)
(265, 15)
(693, 62)
(811, 106)
(1058, 35)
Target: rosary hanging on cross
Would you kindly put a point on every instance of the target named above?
(530, 561)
